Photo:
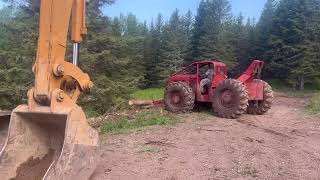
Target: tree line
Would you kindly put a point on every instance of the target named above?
(122, 54)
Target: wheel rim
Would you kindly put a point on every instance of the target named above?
(227, 98)
(176, 98)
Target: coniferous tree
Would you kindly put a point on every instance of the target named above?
(122, 54)
(187, 23)
(17, 53)
(293, 45)
(113, 56)
(174, 44)
(152, 73)
(250, 47)
(210, 35)
(240, 43)
(263, 32)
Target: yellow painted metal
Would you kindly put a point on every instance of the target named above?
(78, 21)
(50, 138)
(54, 23)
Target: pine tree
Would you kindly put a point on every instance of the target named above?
(293, 41)
(134, 41)
(152, 76)
(263, 31)
(210, 35)
(187, 25)
(122, 54)
(252, 39)
(113, 55)
(174, 44)
(17, 54)
(240, 42)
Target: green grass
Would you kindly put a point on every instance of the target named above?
(142, 119)
(90, 112)
(148, 94)
(314, 105)
(281, 86)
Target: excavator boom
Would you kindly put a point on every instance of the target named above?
(50, 138)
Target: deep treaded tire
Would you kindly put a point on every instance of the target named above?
(262, 107)
(179, 98)
(230, 99)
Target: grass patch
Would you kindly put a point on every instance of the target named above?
(141, 119)
(90, 112)
(314, 105)
(279, 85)
(148, 94)
(282, 86)
(296, 93)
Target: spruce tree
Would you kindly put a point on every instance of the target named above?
(293, 41)
(210, 35)
(239, 42)
(174, 44)
(263, 32)
(187, 25)
(19, 29)
(152, 74)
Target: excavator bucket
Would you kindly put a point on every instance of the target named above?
(4, 124)
(46, 145)
(50, 138)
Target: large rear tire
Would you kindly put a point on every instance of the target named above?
(262, 107)
(179, 98)
(230, 99)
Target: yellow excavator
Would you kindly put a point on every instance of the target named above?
(49, 138)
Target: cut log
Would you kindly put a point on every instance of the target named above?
(141, 103)
(146, 103)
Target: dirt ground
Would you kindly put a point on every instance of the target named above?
(283, 144)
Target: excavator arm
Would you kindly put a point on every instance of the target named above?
(50, 138)
(51, 69)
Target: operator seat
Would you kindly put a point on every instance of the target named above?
(205, 83)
